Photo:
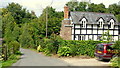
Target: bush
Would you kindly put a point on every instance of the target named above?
(50, 46)
(64, 51)
(74, 48)
(115, 62)
(56, 45)
(15, 46)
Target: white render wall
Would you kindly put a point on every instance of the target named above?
(89, 34)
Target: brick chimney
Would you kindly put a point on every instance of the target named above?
(66, 12)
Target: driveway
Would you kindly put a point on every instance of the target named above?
(85, 62)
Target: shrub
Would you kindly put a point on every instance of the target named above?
(64, 51)
(115, 62)
(50, 46)
(15, 46)
(74, 48)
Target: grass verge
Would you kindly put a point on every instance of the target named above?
(12, 59)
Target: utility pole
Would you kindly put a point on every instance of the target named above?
(47, 19)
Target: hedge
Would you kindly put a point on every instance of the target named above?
(55, 45)
(73, 48)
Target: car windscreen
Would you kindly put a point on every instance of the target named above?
(100, 47)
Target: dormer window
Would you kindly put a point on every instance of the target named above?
(83, 22)
(111, 23)
(101, 22)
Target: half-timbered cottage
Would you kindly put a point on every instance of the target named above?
(88, 25)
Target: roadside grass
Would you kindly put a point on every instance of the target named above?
(12, 59)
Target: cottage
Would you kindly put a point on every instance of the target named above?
(88, 25)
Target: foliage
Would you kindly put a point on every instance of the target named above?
(50, 46)
(106, 36)
(55, 45)
(72, 5)
(118, 17)
(54, 20)
(25, 38)
(91, 7)
(117, 45)
(15, 46)
(64, 51)
(73, 48)
(115, 62)
(19, 14)
(12, 59)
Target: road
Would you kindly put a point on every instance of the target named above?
(32, 58)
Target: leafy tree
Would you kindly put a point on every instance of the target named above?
(16, 32)
(25, 38)
(82, 6)
(21, 15)
(72, 5)
(54, 20)
(8, 26)
(114, 8)
(118, 17)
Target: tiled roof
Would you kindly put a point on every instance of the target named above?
(92, 17)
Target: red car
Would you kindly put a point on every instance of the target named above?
(105, 51)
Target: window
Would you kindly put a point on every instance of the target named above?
(101, 22)
(83, 24)
(100, 47)
(111, 23)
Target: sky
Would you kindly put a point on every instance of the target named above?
(38, 5)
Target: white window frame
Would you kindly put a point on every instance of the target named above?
(84, 21)
(101, 22)
(112, 23)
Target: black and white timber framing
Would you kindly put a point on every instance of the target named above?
(91, 26)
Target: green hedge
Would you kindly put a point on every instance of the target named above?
(73, 48)
(55, 45)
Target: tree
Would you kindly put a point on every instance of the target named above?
(114, 9)
(8, 26)
(118, 17)
(82, 6)
(54, 20)
(25, 38)
(72, 5)
(97, 8)
(21, 15)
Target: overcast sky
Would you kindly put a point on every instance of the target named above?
(38, 5)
